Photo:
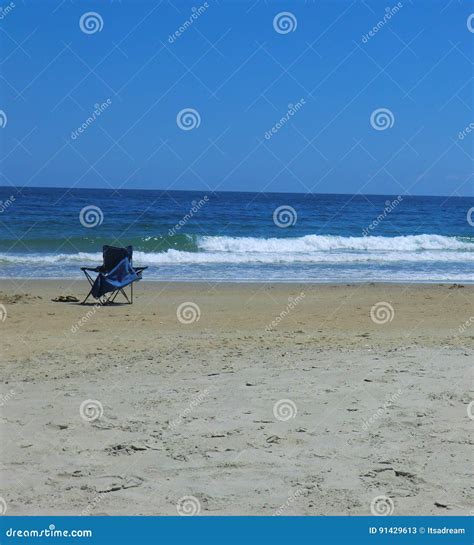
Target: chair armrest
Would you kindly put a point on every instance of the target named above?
(93, 269)
(140, 269)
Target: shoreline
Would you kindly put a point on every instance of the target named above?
(257, 282)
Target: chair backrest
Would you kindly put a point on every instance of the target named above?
(113, 256)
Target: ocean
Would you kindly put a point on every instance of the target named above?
(250, 237)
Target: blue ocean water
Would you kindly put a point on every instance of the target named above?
(187, 235)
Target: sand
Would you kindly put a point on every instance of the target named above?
(265, 405)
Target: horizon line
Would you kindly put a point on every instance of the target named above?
(236, 191)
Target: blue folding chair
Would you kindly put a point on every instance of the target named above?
(113, 276)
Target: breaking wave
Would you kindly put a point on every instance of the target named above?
(306, 249)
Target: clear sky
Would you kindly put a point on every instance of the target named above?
(239, 68)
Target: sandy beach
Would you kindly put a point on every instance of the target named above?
(253, 400)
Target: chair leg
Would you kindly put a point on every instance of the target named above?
(124, 293)
(112, 296)
(91, 283)
(88, 295)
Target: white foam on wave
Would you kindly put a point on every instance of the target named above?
(311, 243)
(175, 257)
(52, 259)
(307, 249)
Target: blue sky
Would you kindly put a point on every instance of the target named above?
(240, 74)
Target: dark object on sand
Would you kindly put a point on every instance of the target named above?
(65, 299)
(115, 274)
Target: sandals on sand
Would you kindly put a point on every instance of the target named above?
(66, 299)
